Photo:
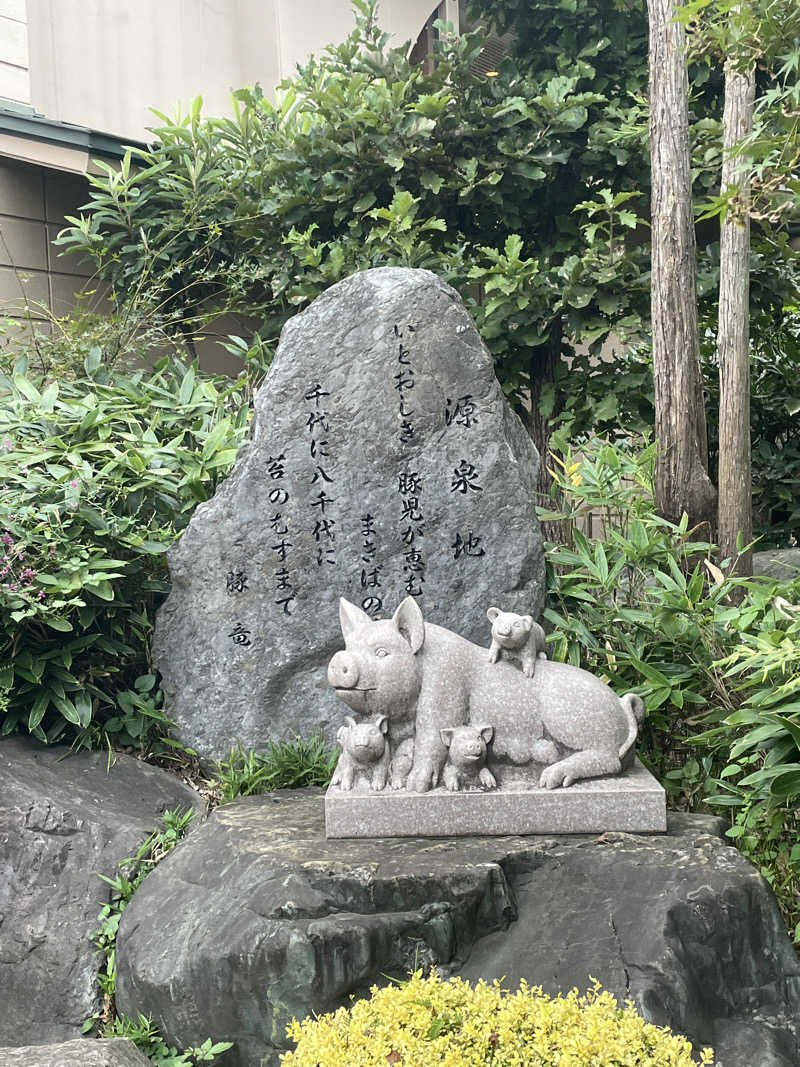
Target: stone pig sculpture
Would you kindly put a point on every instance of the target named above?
(426, 679)
(516, 637)
(364, 751)
(466, 758)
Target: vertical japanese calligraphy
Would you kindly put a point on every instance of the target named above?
(323, 528)
(278, 496)
(409, 485)
(371, 571)
(464, 480)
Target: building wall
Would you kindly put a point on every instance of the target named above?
(104, 63)
(35, 282)
(14, 74)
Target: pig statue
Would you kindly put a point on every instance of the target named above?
(466, 758)
(364, 753)
(426, 679)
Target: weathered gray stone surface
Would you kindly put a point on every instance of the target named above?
(632, 801)
(257, 918)
(777, 563)
(382, 398)
(63, 820)
(116, 1052)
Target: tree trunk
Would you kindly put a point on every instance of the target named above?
(735, 513)
(682, 482)
(541, 372)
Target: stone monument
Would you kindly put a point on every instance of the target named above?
(385, 462)
(452, 740)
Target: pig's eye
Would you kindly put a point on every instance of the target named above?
(381, 652)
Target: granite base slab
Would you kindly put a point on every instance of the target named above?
(632, 802)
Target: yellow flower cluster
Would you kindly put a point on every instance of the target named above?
(426, 1022)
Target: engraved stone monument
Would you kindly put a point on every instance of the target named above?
(385, 463)
(456, 741)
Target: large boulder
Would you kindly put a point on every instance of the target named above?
(258, 918)
(65, 818)
(113, 1052)
(385, 461)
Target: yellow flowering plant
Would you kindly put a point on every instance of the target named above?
(428, 1021)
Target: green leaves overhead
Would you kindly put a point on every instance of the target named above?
(365, 159)
(99, 476)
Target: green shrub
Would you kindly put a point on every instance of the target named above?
(285, 765)
(592, 408)
(759, 745)
(147, 1038)
(99, 475)
(647, 609)
(431, 1021)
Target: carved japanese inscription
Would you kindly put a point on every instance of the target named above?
(384, 463)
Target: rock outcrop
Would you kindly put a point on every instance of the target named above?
(385, 462)
(65, 818)
(113, 1052)
(257, 918)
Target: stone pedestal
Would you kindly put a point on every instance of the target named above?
(632, 802)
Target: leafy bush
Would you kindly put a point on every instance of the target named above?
(430, 1021)
(99, 475)
(646, 608)
(592, 409)
(367, 159)
(285, 765)
(147, 1038)
(759, 745)
(774, 423)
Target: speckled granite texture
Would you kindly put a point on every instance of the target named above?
(633, 802)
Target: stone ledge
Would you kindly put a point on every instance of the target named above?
(633, 802)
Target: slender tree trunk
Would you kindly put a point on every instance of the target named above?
(682, 482)
(735, 512)
(541, 372)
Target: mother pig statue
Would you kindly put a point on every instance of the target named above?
(561, 724)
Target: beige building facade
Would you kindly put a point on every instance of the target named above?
(78, 79)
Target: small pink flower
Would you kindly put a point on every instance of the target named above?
(8, 539)
(3, 572)
(42, 594)
(74, 483)
(12, 585)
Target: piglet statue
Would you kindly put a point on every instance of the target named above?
(364, 753)
(466, 758)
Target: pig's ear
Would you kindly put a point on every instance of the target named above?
(492, 614)
(446, 736)
(409, 621)
(382, 723)
(351, 617)
(341, 734)
(486, 732)
(349, 721)
(528, 620)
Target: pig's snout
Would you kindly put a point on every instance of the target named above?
(343, 671)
